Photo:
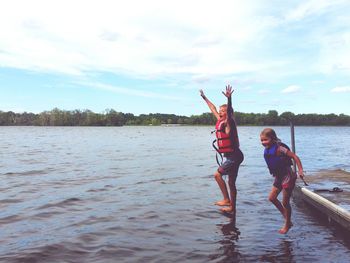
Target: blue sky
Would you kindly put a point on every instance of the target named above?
(153, 56)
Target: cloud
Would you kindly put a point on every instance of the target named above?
(329, 35)
(127, 91)
(342, 89)
(264, 91)
(334, 53)
(291, 89)
(156, 38)
(109, 36)
(201, 79)
(207, 42)
(160, 37)
(312, 8)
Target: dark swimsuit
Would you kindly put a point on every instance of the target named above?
(232, 160)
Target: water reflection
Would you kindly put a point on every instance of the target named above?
(229, 230)
(282, 253)
(228, 249)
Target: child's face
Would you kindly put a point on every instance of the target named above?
(223, 113)
(265, 141)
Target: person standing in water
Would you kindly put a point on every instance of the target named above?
(278, 159)
(228, 145)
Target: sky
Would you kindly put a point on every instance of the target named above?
(154, 56)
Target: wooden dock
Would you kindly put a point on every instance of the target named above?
(334, 205)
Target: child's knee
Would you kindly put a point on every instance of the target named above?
(272, 198)
(217, 175)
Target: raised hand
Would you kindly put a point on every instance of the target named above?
(228, 91)
(202, 93)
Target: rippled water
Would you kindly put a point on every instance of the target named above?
(140, 194)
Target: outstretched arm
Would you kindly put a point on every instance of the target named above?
(229, 119)
(298, 163)
(210, 105)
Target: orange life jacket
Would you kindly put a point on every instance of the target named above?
(223, 139)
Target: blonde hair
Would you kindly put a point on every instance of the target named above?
(223, 106)
(270, 133)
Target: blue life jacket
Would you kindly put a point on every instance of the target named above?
(277, 164)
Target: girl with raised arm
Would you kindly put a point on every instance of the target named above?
(228, 145)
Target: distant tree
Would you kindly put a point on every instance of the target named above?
(111, 117)
(287, 117)
(272, 118)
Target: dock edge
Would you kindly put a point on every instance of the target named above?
(332, 211)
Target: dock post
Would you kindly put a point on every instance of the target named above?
(292, 139)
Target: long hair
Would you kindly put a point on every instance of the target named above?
(270, 133)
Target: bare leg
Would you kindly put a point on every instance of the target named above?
(273, 199)
(223, 188)
(233, 195)
(287, 193)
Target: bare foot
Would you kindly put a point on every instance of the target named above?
(227, 209)
(285, 228)
(223, 203)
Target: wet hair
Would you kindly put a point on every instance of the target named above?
(270, 133)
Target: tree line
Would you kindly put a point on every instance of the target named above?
(110, 117)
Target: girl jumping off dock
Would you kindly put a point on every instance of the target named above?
(228, 145)
(278, 158)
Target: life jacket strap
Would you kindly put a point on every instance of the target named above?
(217, 153)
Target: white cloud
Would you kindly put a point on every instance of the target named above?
(342, 89)
(335, 53)
(264, 91)
(312, 7)
(157, 37)
(194, 38)
(128, 91)
(328, 21)
(291, 89)
(201, 79)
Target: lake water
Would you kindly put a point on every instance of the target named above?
(146, 194)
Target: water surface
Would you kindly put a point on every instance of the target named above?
(140, 194)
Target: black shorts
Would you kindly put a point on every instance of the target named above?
(231, 164)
